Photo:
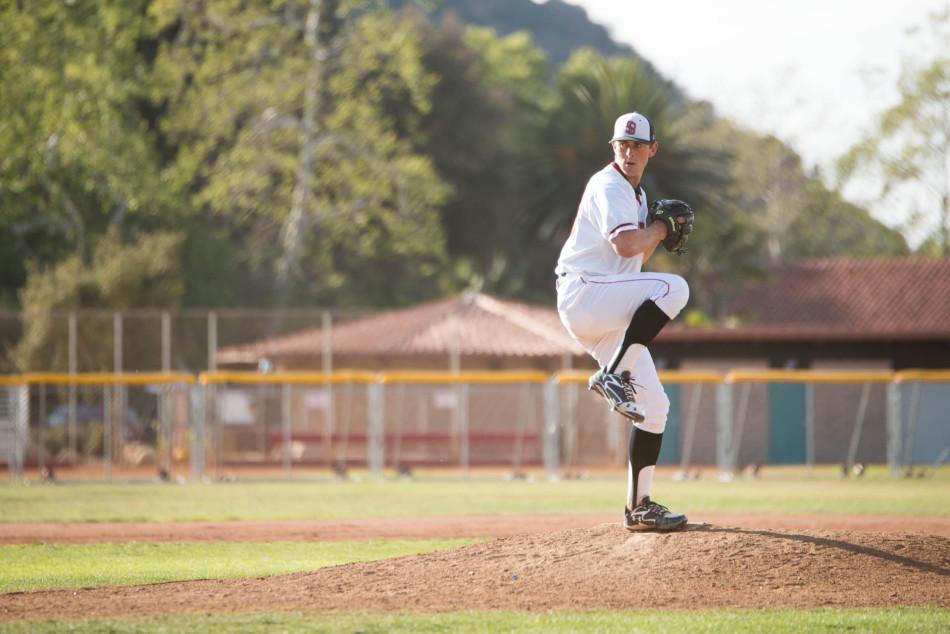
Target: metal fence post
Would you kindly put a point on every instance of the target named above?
(198, 411)
(285, 429)
(375, 439)
(464, 450)
(165, 442)
(19, 406)
(858, 427)
(116, 402)
(327, 364)
(725, 454)
(689, 429)
(107, 431)
(894, 428)
(212, 341)
(166, 341)
(72, 426)
(810, 426)
(907, 444)
(551, 446)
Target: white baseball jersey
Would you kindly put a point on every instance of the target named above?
(610, 205)
(598, 291)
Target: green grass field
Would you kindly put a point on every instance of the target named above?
(784, 492)
(626, 622)
(48, 566)
(35, 566)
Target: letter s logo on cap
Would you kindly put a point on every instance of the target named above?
(631, 127)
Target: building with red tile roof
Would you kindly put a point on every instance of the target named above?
(892, 312)
(886, 311)
(473, 330)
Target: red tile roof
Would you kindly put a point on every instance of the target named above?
(840, 298)
(471, 323)
(830, 299)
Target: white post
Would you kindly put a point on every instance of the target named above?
(908, 441)
(375, 438)
(21, 429)
(115, 405)
(810, 426)
(212, 341)
(117, 343)
(72, 426)
(551, 443)
(858, 426)
(41, 429)
(285, 425)
(894, 428)
(206, 407)
(464, 457)
(330, 412)
(164, 395)
(107, 432)
(166, 342)
(198, 410)
(725, 457)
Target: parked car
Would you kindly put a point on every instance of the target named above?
(85, 413)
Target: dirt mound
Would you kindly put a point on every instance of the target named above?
(422, 527)
(704, 566)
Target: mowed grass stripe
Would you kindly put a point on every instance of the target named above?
(895, 620)
(821, 492)
(51, 566)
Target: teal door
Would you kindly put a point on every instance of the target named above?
(670, 449)
(786, 423)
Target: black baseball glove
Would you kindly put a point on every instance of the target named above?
(678, 218)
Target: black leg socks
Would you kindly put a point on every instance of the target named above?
(646, 324)
(644, 451)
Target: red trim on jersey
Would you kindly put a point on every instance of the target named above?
(636, 190)
(587, 280)
(625, 224)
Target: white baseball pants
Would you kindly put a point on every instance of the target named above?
(596, 311)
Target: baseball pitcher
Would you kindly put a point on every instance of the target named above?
(614, 310)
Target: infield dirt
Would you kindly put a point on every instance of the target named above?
(705, 566)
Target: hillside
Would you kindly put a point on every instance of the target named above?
(557, 27)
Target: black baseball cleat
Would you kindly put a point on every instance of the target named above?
(649, 515)
(619, 392)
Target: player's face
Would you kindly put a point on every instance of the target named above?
(632, 157)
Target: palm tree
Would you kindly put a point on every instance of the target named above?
(591, 93)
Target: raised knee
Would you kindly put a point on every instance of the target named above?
(657, 411)
(676, 296)
(680, 290)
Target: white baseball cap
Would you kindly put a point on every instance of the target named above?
(633, 126)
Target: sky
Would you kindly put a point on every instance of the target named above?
(815, 73)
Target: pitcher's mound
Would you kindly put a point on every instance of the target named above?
(703, 566)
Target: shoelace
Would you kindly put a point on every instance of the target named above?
(655, 506)
(628, 390)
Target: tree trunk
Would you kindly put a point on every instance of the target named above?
(320, 28)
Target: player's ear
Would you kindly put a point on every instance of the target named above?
(653, 148)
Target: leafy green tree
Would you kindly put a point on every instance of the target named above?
(769, 212)
(78, 154)
(828, 225)
(591, 93)
(486, 111)
(141, 272)
(907, 156)
(293, 124)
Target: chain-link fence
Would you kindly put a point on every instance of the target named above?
(147, 340)
(169, 425)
